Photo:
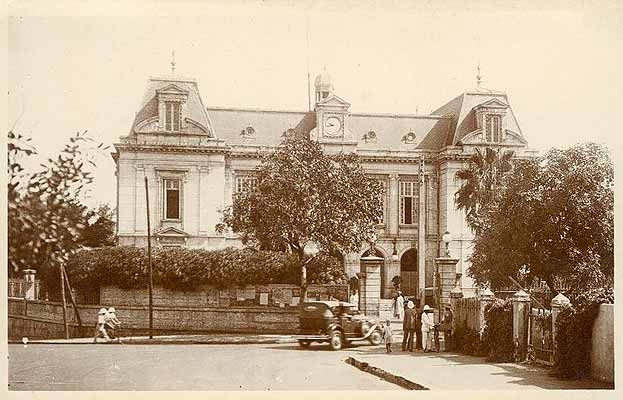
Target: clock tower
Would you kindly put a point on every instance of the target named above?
(331, 114)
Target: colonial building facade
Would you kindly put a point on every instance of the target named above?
(196, 157)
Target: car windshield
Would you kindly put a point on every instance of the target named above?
(340, 310)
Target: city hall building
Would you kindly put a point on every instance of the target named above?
(196, 156)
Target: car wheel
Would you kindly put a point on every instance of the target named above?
(336, 340)
(304, 343)
(375, 338)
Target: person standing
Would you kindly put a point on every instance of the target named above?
(408, 327)
(427, 326)
(112, 323)
(446, 328)
(100, 328)
(399, 306)
(388, 336)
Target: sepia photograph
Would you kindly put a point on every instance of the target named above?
(311, 196)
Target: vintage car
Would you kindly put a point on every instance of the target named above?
(337, 323)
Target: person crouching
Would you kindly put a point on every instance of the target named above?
(100, 328)
(388, 336)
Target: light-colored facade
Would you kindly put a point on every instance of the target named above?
(196, 157)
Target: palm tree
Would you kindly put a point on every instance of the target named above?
(481, 181)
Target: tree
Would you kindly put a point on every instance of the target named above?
(305, 197)
(481, 181)
(45, 216)
(553, 220)
(100, 229)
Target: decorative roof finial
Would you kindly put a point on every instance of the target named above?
(478, 76)
(173, 61)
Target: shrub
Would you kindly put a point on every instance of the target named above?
(574, 327)
(467, 341)
(187, 269)
(497, 336)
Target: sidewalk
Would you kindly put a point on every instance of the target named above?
(449, 371)
(217, 338)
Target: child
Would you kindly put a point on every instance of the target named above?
(100, 329)
(387, 335)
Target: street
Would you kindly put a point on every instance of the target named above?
(187, 367)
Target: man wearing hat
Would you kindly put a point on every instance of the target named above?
(408, 327)
(427, 326)
(112, 322)
(100, 329)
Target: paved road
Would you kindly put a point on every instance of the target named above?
(186, 367)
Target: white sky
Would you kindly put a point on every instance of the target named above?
(560, 67)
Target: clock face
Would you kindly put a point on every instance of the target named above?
(332, 125)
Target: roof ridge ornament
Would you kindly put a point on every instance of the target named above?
(173, 62)
(478, 76)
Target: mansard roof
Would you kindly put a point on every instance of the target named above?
(257, 127)
(462, 109)
(267, 127)
(194, 109)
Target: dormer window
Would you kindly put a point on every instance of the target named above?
(171, 100)
(173, 116)
(493, 128)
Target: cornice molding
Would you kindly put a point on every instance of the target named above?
(147, 148)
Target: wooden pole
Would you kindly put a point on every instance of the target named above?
(151, 278)
(71, 297)
(64, 303)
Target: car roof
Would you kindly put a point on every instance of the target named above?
(331, 303)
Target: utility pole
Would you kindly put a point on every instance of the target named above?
(64, 303)
(151, 278)
(71, 297)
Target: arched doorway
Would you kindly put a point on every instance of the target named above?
(409, 272)
(377, 253)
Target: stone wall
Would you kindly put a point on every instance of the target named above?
(273, 295)
(602, 353)
(44, 320)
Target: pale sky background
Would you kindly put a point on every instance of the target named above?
(561, 67)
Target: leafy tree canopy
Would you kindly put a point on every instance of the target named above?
(553, 220)
(45, 215)
(305, 196)
(480, 183)
(100, 228)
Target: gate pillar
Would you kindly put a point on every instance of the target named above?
(521, 313)
(446, 267)
(370, 284)
(557, 304)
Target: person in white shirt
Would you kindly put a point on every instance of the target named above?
(427, 327)
(100, 328)
(112, 323)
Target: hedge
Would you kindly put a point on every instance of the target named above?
(497, 336)
(574, 328)
(467, 341)
(187, 269)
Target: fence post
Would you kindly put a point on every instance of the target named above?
(557, 304)
(487, 297)
(521, 313)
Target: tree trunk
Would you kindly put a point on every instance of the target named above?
(301, 255)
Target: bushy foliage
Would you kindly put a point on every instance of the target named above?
(100, 228)
(565, 201)
(187, 269)
(480, 182)
(574, 327)
(306, 197)
(497, 336)
(45, 216)
(467, 341)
